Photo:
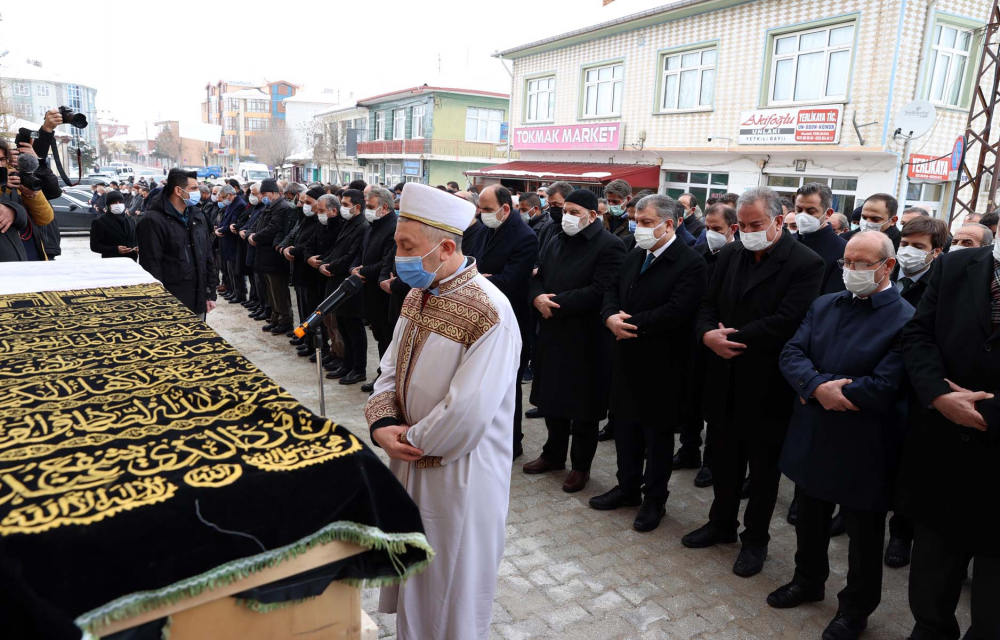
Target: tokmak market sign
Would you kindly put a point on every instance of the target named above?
(577, 137)
(803, 125)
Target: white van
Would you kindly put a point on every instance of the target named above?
(124, 173)
(252, 172)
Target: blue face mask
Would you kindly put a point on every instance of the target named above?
(543, 202)
(411, 270)
(631, 226)
(194, 197)
(222, 204)
(266, 200)
(616, 210)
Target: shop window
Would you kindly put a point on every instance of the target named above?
(844, 189)
(812, 65)
(701, 184)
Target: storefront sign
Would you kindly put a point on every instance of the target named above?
(805, 125)
(582, 137)
(411, 168)
(504, 132)
(923, 167)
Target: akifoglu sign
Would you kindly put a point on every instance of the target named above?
(802, 125)
(571, 137)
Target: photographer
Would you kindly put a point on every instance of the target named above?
(23, 212)
(49, 182)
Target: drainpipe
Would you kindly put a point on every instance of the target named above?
(902, 178)
(892, 75)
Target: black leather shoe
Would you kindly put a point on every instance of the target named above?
(289, 334)
(607, 433)
(329, 358)
(704, 477)
(614, 499)
(267, 327)
(368, 387)
(307, 353)
(252, 311)
(844, 628)
(837, 525)
(897, 554)
(707, 536)
(297, 342)
(353, 377)
(261, 315)
(792, 595)
(649, 516)
(793, 512)
(235, 300)
(340, 372)
(334, 364)
(280, 329)
(687, 459)
(533, 413)
(246, 303)
(745, 491)
(750, 561)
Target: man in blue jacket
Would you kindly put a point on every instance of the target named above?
(845, 437)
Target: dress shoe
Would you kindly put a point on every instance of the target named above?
(704, 477)
(339, 372)
(334, 365)
(838, 526)
(745, 490)
(649, 516)
(750, 561)
(312, 356)
(708, 536)
(541, 465)
(792, 595)
(607, 433)
(614, 499)
(844, 628)
(368, 387)
(221, 288)
(297, 342)
(307, 353)
(793, 512)
(528, 374)
(289, 334)
(576, 481)
(279, 329)
(533, 413)
(247, 303)
(252, 311)
(261, 315)
(353, 378)
(235, 300)
(267, 327)
(305, 347)
(897, 554)
(329, 358)
(687, 459)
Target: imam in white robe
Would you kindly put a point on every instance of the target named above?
(451, 374)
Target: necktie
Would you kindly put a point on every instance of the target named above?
(649, 260)
(995, 294)
(906, 282)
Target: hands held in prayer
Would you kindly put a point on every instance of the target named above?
(388, 439)
(243, 234)
(718, 341)
(314, 262)
(209, 306)
(251, 240)
(219, 233)
(123, 250)
(386, 285)
(959, 406)
(232, 228)
(831, 395)
(545, 305)
(356, 271)
(287, 252)
(324, 269)
(621, 329)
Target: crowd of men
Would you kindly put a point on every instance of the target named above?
(859, 357)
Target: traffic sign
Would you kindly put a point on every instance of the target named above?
(956, 153)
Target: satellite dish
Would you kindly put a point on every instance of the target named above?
(915, 119)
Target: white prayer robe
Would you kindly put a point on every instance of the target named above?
(451, 374)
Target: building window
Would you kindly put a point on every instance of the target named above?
(258, 106)
(688, 79)
(844, 189)
(700, 184)
(255, 124)
(23, 109)
(247, 146)
(42, 110)
(811, 66)
(399, 124)
(20, 88)
(602, 91)
(926, 195)
(393, 174)
(483, 125)
(541, 98)
(417, 128)
(230, 123)
(75, 99)
(949, 61)
(233, 104)
(376, 175)
(380, 125)
(42, 91)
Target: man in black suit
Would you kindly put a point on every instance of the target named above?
(270, 231)
(949, 477)
(879, 213)
(692, 215)
(507, 261)
(336, 265)
(761, 289)
(651, 306)
(813, 209)
(112, 234)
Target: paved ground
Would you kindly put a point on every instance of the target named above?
(571, 572)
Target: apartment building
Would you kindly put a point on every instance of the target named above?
(243, 110)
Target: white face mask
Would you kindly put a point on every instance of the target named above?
(757, 240)
(118, 208)
(307, 210)
(254, 200)
(861, 283)
(806, 223)
(996, 250)
(490, 219)
(911, 259)
(215, 198)
(959, 247)
(572, 225)
(715, 240)
(645, 237)
(345, 213)
(322, 217)
(864, 225)
(371, 215)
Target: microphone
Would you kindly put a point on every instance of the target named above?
(348, 288)
(26, 163)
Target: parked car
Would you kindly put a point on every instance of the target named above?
(206, 172)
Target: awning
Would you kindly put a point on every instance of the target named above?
(637, 175)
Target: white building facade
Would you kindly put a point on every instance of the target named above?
(343, 129)
(723, 95)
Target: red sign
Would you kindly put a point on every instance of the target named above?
(817, 125)
(923, 167)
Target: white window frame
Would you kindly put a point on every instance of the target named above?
(827, 50)
(399, 124)
(379, 125)
(689, 185)
(42, 91)
(954, 53)
(483, 124)
(586, 85)
(533, 92)
(827, 180)
(376, 174)
(20, 88)
(417, 128)
(699, 69)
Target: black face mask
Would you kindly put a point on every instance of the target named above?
(556, 214)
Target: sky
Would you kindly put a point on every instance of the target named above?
(151, 60)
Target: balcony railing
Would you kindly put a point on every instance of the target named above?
(453, 148)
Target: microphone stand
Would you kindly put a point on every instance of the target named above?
(318, 342)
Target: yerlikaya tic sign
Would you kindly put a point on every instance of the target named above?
(582, 137)
(796, 125)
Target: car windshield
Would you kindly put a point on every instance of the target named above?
(259, 175)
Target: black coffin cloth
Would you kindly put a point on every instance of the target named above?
(144, 460)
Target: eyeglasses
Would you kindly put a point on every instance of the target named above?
(859, 266)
